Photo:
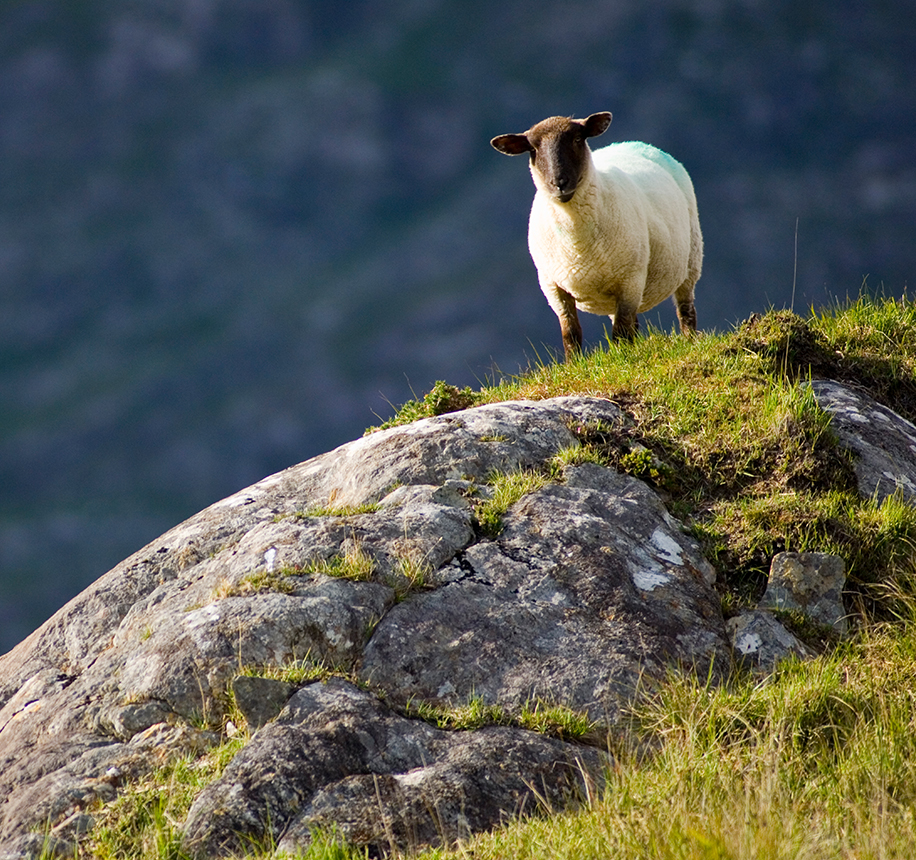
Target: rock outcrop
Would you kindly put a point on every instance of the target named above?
(369, 564)
(884, 443)
(811, 583)
(807, 583)
(761, 641)
(590, 591)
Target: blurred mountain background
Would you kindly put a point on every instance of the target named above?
(234, 232)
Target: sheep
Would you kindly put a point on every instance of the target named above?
(614, 231)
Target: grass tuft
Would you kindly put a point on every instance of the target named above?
(297, 672)
(553, 720)
(145, 821)
(341, 510)
(506, 490)
(355, 564)
(440, 400)
(260, 581)
(413, 574)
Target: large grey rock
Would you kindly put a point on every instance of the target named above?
(591, 591)
(883, 441)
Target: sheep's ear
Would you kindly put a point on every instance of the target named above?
(512, 144)
(597, 123)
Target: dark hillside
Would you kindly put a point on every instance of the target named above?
(232, 231)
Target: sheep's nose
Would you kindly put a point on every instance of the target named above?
(565, 189)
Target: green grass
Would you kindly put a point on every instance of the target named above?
(257, 582)
(816, 760)
(261, 581)
(413, 574)
(342, 510)
(296, 672)
(330, 510)
(441, 398)
(355, 563)
(144, 822)
(554, 720)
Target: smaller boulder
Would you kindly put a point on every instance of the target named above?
(760, 642)
(811, 583)
(884, 443)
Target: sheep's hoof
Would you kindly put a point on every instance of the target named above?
(623, 331)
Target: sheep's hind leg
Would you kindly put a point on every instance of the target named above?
(686, 310)
(570, 327)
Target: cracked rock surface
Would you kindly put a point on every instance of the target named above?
(590, 587)
(590, 593)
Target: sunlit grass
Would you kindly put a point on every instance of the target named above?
(354, 563)
(144, 822)
(538, 716)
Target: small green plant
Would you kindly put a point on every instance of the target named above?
(412, 575)
(354, 563)
(642, 463)
(441, 399)
(296, 672)
(638, 461)
(576, 455)
(506, 490)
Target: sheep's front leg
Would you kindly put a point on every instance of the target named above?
(626, 324)
(569, 323)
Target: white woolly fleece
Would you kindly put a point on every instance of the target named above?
(630, 235)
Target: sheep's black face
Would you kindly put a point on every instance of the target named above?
(560, 158)
(559, 153)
